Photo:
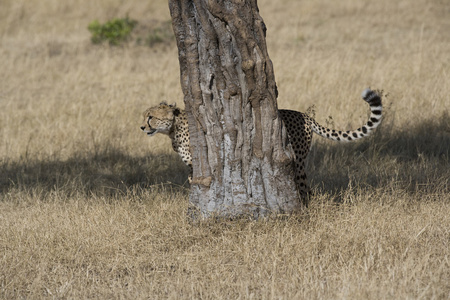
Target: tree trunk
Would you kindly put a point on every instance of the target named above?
(242, 159)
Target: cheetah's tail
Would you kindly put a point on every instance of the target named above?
(374, 100)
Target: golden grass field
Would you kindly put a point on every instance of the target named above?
(92, 208)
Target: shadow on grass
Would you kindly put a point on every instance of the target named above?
(107, 173)
(414, 158)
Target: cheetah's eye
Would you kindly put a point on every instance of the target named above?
(148, 120)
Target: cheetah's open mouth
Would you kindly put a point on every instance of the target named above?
(151, 132)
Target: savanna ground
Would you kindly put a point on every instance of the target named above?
(92, 208)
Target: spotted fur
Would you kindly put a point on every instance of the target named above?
(300, 127)
(170, 120)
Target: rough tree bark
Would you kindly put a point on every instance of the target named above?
(242, 160)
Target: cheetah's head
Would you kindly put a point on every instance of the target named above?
(160, 119)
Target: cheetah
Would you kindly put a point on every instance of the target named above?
(170, 120)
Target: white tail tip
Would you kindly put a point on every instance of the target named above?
(366, 93)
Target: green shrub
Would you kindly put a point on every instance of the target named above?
(115, 31)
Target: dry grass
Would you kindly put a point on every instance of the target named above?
(91, 208)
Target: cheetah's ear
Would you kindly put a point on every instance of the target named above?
(176, 112)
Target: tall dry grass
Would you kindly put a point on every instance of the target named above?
(91, 208)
